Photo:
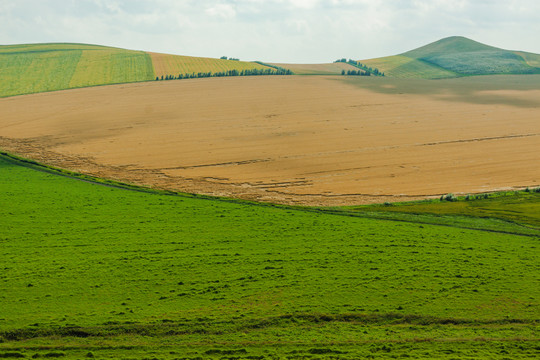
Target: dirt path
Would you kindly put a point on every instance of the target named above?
(297, 140)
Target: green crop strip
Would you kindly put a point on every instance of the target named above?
(27, 69)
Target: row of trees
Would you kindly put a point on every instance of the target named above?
(358, 64)
(225, 58)
(355, 72)
(278, 68)
(247, 72)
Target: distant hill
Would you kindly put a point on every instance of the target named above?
(456, 56)
(317, 69)
(33, 68)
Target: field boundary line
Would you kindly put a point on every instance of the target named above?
(34, 165)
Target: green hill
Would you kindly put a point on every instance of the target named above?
(34, 68)
(456, 56)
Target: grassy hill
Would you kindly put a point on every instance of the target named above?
(34, 68)
(456, 56)
(114, 272)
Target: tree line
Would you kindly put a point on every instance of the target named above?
(355, 72)
(278, 68)
(368, 70)
(247, 72)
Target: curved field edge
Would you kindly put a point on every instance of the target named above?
(429, 212)
(111, 272)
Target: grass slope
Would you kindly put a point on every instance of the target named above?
(111, 67)
(94, 269)
(36, 68)
(33, 68)
(456, 56)
(165, 64)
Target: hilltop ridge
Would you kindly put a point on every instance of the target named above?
(34, 68)
(456, 56)
(448, 45)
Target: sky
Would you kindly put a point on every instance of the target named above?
(293, 31)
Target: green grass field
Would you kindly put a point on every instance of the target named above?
(26, 69)
(111, 67)
(94, 270)
(34, 68)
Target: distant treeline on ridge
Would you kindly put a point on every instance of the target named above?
(368, 71)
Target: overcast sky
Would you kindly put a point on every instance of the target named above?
(272, 30)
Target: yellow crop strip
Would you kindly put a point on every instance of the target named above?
(176, 64)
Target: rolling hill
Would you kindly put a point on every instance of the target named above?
(456, 56)
(100, 262)
(34, 68)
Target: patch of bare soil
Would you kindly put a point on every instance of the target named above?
(298, 140)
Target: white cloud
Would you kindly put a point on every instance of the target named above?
(225, 11)
(304, 4)
(272, 30)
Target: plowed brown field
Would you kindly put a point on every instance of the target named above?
(329, 140)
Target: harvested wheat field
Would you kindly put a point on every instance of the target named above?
(325, 140)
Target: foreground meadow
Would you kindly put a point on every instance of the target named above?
(99, 271)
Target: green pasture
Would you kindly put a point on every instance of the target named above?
(90, 270)
(111, 67)
(26, 69)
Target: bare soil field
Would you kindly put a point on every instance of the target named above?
(325, 140)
